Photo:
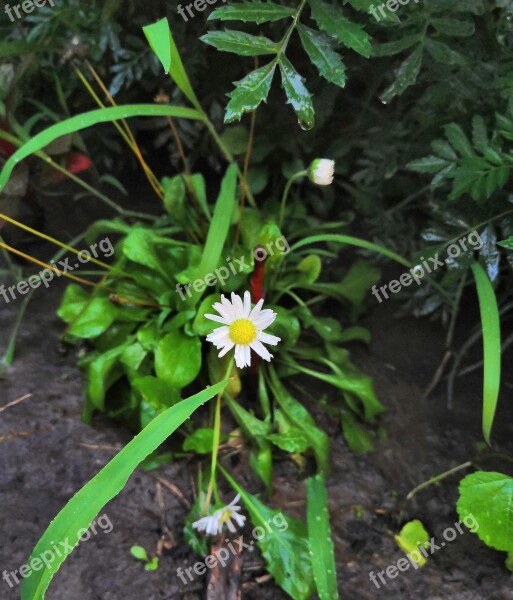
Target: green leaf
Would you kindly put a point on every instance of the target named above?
(331, 19)
(220, 224)
(429, 164)
(72, 521)
(178, 359)
(459, 140)
(508, 243)
(252, 12)
(88, 119)
(201, 325)
(297, 94)
(486, 498)
(301, 418)
(238, 42)
(490, 323)
(319, 538)
(249, 92)
(310, 267)
(405, 76)
(139, 552)
(353, 241)
(174, 196)
(284, 545)
(444, 54)
(163, 45)
(201, 441)
(397, 46)
(453, 27)
(102, 372)
(319, 48)
(412, 536)
(357, 438)
(236, 139)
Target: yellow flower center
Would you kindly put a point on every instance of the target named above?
(243, 331)
(225, 516)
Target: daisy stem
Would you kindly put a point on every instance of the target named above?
(212, 486)
(286, 193)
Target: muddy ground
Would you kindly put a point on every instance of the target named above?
(40, 472)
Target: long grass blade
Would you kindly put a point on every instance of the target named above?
(490, 323)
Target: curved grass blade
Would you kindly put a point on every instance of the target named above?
(353, 241)
(93, 117)
(319, 537)
(490, 323)
(80, 511)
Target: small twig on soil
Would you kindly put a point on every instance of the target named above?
(14, 402)
(438, 478)
(95, 447)
(173, 489)
(16, 435)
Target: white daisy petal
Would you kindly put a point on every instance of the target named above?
(218, 334)
(223, 311)
(226, 349)
(228, 307)
(239, 519)
(239, 360)
(238, 306)
(267, 338)
(217, 319)
(247, 304)
(261, 350)
(256, 310)
(264, 319)
(247, 355)
(231, 527)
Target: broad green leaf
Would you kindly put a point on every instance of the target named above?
(72, 521)
(236, 139)
(178, 359)
(405, 76)
(310, 267)
(490, 323)
(96, 316)
(297, 94)
(286, 325)
(319, 48)
(252, 12)
(139, 552)
(238, 42)
(412, 536)
(157, 396)
(174, 196)
(249, 92)
(485, 501)
(88, 119)
(163, 45)
(319, 539)
(101, 373)
(330, 18)
(283, 543)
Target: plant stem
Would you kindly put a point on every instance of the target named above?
(437, 478)
(286, 193)
(212, 486)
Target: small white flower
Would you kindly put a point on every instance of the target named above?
(213, 524)
(242, 329)
(321, 171)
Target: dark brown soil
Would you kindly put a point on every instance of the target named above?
(39, 473)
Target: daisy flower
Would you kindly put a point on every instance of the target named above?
(213, 524)
(321, 171)
(242, 329)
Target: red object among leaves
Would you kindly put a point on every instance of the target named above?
(6, 148)
(75, 163)
(256, 281)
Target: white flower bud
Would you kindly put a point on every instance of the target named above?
(321, 171)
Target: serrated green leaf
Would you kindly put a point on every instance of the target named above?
(297, 93)
(252, 12)
(405, 76)
(239, 42)
(486, 498)
(429, 164)
(459, 140)
(250, 92)
(319, 48)
(330, 18)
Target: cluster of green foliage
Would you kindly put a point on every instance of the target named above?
(423, 126)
